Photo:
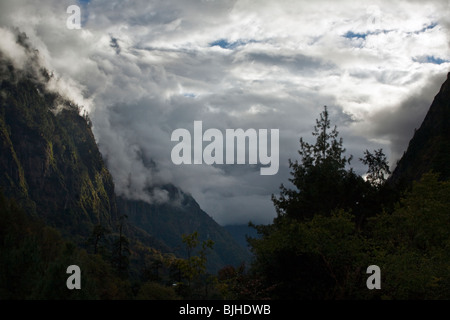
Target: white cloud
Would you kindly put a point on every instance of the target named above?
(11, 49)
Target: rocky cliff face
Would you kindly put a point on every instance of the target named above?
(429, 149)
(49, 161)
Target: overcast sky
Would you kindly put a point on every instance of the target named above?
(145, 68)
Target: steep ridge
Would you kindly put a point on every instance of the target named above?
(429, 149)
(49, 159)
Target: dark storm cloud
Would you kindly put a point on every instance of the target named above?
(114, 43)
(291, 61)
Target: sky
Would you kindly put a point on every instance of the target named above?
(142, 69)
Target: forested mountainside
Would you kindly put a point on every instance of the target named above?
(49, 160)
(52, 171)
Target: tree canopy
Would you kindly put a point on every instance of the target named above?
(333, 224)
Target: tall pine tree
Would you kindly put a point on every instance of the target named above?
(322, 182)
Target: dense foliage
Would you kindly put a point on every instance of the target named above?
(333, 225)
(34, 258)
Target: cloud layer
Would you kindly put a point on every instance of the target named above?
(145, 68)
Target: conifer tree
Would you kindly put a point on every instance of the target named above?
(121, 250)
(322, 182)
(378, 168)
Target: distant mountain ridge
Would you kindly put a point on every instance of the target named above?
(429, 148)
(183, 215)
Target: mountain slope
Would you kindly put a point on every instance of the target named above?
(49, 159)
(241, 232)
(429, 149)
(182, 215)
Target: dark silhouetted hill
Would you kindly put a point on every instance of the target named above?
(429, 149)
